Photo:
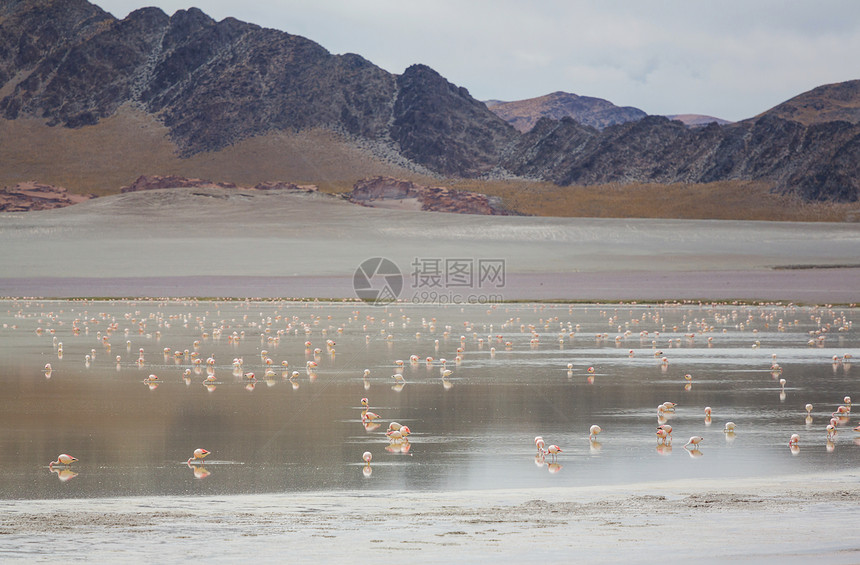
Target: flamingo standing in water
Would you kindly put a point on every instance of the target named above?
(694, 441)
(539, 443)
(63, 459)
(664, 433)
(199, 455)
(366, 415)
(553, 450)
(593, 431)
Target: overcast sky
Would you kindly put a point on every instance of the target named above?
(726, 58)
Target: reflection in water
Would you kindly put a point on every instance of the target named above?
(64, 473)
(198, 469)
(511, 383)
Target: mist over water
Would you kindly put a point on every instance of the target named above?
(474, 429)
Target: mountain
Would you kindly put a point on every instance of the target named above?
(594, 112)
(827, 103)
(214, 84)
(816, 162)
(83, 94)
(696, 120)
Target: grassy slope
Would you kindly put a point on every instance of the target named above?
(130, 144)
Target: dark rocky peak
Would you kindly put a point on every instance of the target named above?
(439, 124)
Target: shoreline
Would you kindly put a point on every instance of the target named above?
(784, 519)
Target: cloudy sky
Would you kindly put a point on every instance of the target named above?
(727, 58)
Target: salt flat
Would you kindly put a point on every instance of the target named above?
(220, 242)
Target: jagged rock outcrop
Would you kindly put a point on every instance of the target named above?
(31, 195)
(441, 126)
(383, 191)
(587, 110)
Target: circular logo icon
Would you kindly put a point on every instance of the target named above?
(377, 281)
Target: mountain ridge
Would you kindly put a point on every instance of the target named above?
(217, 85)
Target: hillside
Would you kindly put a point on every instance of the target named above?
(827, 103)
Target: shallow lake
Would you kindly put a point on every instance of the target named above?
(283, 431)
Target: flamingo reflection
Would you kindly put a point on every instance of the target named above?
(64, 473)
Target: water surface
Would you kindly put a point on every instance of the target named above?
(472, 430)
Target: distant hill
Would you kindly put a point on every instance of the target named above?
(594, 112)
(697, 120)
(827, 103)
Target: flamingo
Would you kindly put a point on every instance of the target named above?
(793, 440)
(664, 433)
(553, 450)
(730, 428)
(63, 459)
(694, 441)
(539, 443)
(367, 457)
(593, 431)
(199, 455)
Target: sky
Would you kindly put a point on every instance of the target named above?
(732, 59)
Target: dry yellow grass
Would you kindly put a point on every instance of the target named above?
(131, 143)
(738, 200)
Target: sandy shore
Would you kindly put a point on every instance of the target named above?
(795, 519)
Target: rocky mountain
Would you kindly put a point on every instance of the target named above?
(817, 162)
(594, 112)
(215, 85)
